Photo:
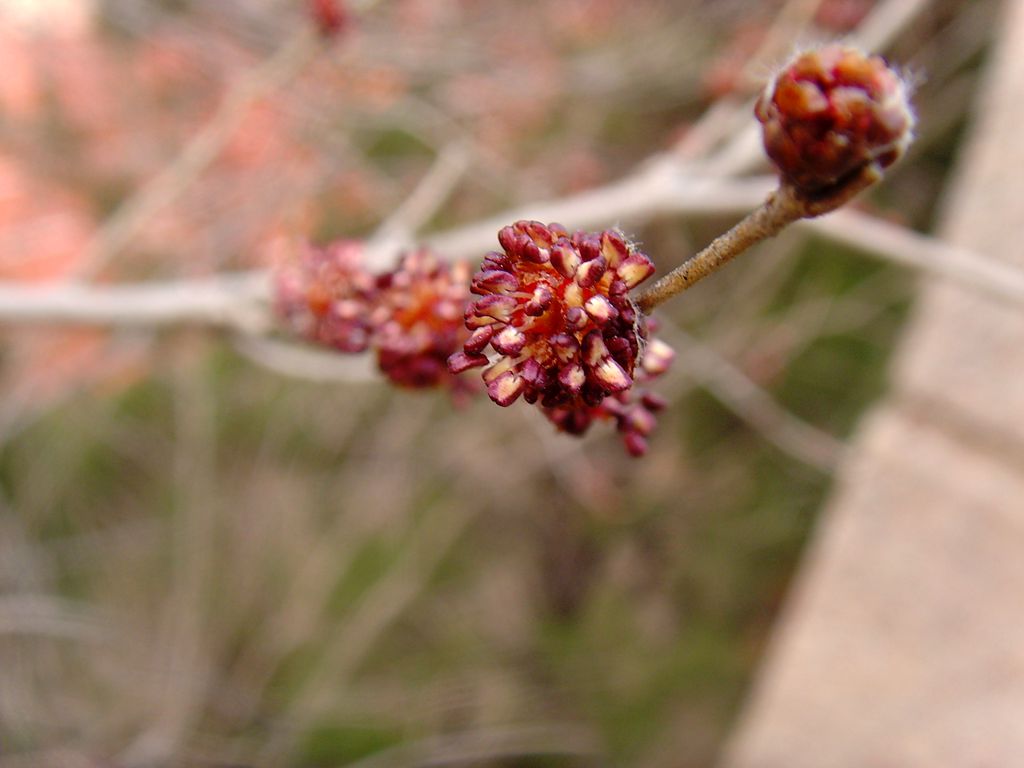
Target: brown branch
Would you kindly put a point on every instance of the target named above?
(239, 301)
(196, 156)
(783, 207)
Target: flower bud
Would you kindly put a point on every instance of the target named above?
(832, 112)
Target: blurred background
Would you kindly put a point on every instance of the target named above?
(207, 562)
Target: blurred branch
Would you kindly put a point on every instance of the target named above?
(239, 301)
(42, 615)
(398, 231)
(234, 301)
(886, 22)
(733, 389)
(179, 683)
(164, 188)
(379, 608)
(305, 362)
(997, 279)
(661, 186)
(494, 744)
(306, 609)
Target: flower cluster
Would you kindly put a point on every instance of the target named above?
(832, 112)
(411, 317)
(324, 295)
(633, 411)
(555, 309)
(417, 319)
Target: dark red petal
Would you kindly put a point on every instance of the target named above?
(636, 445)
(506, 388)
(590, 272)
(493, 281)
(461, 361)
(565, 259)
(479, 339)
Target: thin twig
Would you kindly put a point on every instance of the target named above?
(777, 212)
(733, 389)
(398, 230)
(487, 746)
(783, 207)
(47, 616)
(164, 188)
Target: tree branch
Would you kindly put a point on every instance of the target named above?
(231, 301)
(733, 389)
(662, 186)
(196, 156)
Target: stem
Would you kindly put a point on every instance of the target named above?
(783, 207)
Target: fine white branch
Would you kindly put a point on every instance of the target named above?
(233, 301)
(239, 302)
(662, 186)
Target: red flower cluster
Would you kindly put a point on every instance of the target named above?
(418, 319)
(556, 310)
(325, 295)
(411, 317)
(633, 411)
(832, 112)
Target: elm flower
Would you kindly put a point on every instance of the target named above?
(555, 313)
(325, 295)
(832, 112)
(418, 319)
(633, 411)
(555, 310)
